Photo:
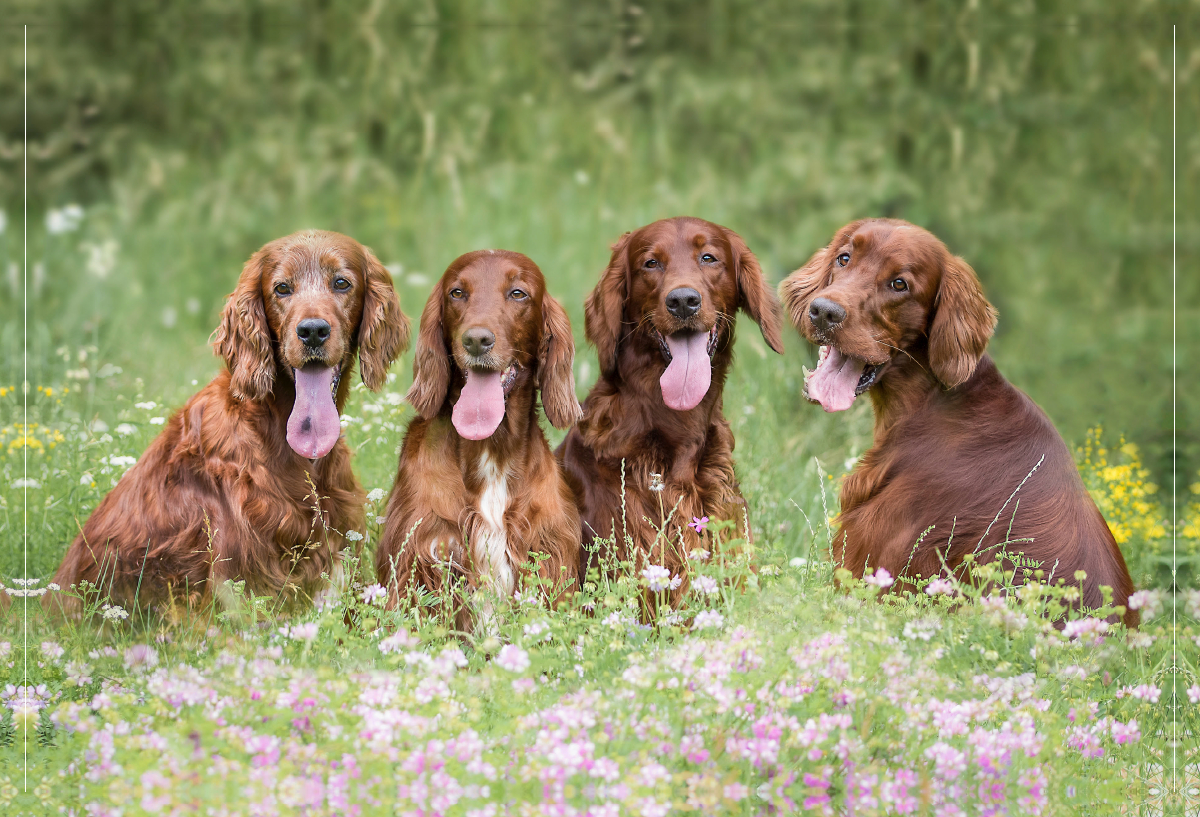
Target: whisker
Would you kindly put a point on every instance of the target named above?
(898, 349)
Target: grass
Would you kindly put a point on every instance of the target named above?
(783, 695)
(777, 695)
(192, 135)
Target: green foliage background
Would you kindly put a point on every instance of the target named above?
(1034, 138)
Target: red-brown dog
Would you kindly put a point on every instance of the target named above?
(224, 491)
(897, 315)
(478, 490)
(653, 437)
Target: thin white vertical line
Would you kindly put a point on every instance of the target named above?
(25, 384)
(1174, 476)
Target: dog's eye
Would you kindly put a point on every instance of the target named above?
(651, 263)
(457, 294)
(518, 295)
(899, 285)
(843, 259)
(341, 284)
(283, 289)
(708, 258)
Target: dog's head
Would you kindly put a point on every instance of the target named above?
(880, 289)
(490, 322)
(304, 306)
(674, 286)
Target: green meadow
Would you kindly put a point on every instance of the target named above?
(166, 145)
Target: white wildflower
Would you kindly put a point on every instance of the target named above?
(708, 619)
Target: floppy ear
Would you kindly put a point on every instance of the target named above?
(963, 321)
(604, 309)
(384, 330)
(556, 354)
(756, 298)
(244, 337)
(431, 365)
(798, 289)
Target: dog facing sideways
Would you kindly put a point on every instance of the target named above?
(963, 462)
(653, 442)
(251, 480)
(478, 493)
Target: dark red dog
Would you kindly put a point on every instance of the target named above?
(662, 321)
(224, 491)
(478, 490)
(899, 316)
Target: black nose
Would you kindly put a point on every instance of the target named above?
(313, 332)
(478, 341)
(826, 314)
(683, 302)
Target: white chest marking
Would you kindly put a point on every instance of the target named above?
(491, 542)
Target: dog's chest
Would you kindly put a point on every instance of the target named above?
(490, 549)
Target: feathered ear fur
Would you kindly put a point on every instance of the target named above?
(383, 332)
(244, 336)
(756, 298)
(604, 309)
(431, 365)
(556, 355)
(963, 322)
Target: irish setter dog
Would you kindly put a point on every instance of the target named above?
(251, 480)
(653, 449)
(478, 492)
(963, 462)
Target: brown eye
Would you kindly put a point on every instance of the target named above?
(708, 258)
(341, 284)
(457, 294)
(651, 263)
(843, 259)
(518, 295)
(283, 289)
(899, 285)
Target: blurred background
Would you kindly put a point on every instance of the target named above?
(168, 142)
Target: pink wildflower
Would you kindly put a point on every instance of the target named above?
(512, 658)
(698, 523)
(881, 578)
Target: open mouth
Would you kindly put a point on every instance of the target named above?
(689, 367)
(313, 427)
(480, 406)
(838, 379)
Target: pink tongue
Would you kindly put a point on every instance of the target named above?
(480, 407)
(833, 382)
(313, 426)
(686, 380)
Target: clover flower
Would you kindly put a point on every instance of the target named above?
(699, 555)
(705, 585)
(399, 640)
(512, 658)
(141, 657)
(1081, 627)
(658, 578)
(881, 578)
(300, 632)
(940, 586)
(1150, 602)
(374, 594)
(708, 619)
